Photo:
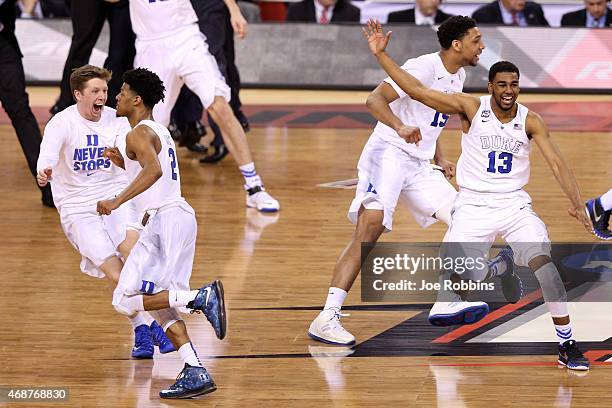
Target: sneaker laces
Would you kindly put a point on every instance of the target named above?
(335, 319)
(573, 351)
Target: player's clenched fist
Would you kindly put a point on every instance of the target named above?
(410, 134)
(114, 155)
(44, 176)
(105, 207)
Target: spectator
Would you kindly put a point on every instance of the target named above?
(88, 17)
(426, 12)
(595, 15)
(13, 93)
(323, 12)
(511, 12)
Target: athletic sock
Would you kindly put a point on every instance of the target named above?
(251, 178)
(138, 320)
(335, 298)
(606, 200)
(180, 298)
(564, 332)
(189, 355)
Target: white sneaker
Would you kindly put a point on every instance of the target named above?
(326, 327)
(263, 201)
(457, 313)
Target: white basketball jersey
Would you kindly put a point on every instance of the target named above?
(167, 189)
(430, 70)
(494, 155)
(153, 19)
(72, 146)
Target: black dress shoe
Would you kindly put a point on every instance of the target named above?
(220, 152)
(196, 147)
(190, 137)
(244, 122)
(47, 197)
(174, 131)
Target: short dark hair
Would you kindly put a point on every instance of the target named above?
(454, 28)
(502, 66)
(145, 84)
(80, 76)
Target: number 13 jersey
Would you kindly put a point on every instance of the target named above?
(494, 155)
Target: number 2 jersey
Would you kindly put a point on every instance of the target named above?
(72, 146)
(430, 70)
(167, 189)
(494, 155)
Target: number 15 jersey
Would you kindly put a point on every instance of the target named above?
(494, 155)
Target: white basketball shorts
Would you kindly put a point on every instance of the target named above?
(388, 174)
(182, 59)
(97, 237)
(480, 217)
(162, 259)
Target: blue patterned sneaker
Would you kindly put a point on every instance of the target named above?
(160, 339)
(571, 357)
(599, 218)
(191, 382)
(512, 285)
(143, 343)
(210, 300)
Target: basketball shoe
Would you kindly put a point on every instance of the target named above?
(143, 343)
(257, 197)
(456, 313)
(210, 300)
(599, 218)
(512, 285)
(571, 356)
(327, 328)
(191, 382)
(160, 340)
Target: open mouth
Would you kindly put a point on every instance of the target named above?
(507, 99)
(97, 107)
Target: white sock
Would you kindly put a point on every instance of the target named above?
(335, 298)
(251, 178)
(180, 298)
(138, 320)
(564, 332)
(147, 318)
(189, 355)
(606, 200)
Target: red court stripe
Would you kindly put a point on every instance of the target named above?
(502, 311)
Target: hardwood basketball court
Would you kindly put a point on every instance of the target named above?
(61, 330)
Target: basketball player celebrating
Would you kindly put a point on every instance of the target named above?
(395, 163)
(169, 42)
(599, 210)
(491, 172)
(71, 158)
(161, 261)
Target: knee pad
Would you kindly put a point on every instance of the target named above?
(553, 289)
(444, 213)
(166, 317)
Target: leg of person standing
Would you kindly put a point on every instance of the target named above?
(121, 48)
(16, 103)
(87, 21)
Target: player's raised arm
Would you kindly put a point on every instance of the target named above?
(537, 129)
(441, 102)
(145, 145)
